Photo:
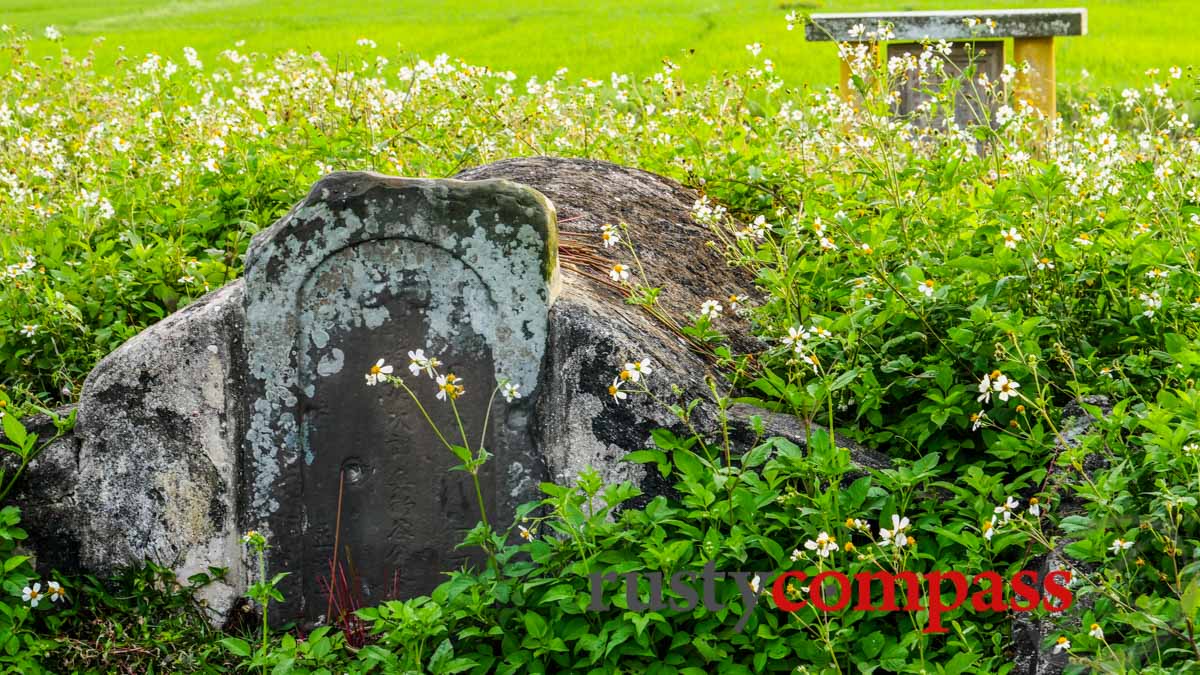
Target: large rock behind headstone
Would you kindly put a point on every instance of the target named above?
(593, 331)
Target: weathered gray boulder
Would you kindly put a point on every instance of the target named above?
(150, 471)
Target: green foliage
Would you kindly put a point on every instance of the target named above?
(20, 645)
(142, 620)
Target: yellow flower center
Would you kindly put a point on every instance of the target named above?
(1034, 501)
(375, 370)
(612, 390)
(625, 375)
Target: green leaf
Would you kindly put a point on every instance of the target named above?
(689, 464)
(462, 453)
(870, 645)
(757, 456)
(844, 379)
(535, 624)
(646, 457)
(559, 592)
(1191, 600)
(237, 646)
(14, 430)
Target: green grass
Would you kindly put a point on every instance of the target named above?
(591, 37)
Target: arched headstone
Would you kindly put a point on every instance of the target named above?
(371, 267)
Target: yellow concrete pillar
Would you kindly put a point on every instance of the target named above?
(844, 86)
(1036, 86)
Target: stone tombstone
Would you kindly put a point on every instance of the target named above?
(973, 104)
(371, 267)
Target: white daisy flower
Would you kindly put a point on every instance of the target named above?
(796, 338)
(641, 366)
(449, 387)
(711, 309)
(896, 535)
(1010, 237)
(614, 390)
(378, 373)
(32, 595)
(1007, 388)
(823, 545)
(1006, 509)
(985, 388)
(417, 362)
(608, 235)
